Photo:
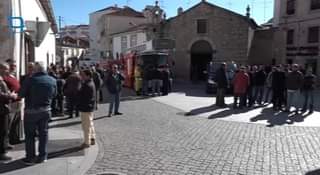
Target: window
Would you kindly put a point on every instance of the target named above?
(315, 4)
(290, 36)
(313, 35)
(124, 44)
(133, 40)
(291, 4)
(201, 26)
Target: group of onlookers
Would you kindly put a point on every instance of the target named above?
(253, 85)
(45, 93)
(156, 80)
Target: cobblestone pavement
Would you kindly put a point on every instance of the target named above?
(154, 138)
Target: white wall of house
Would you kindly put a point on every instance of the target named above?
(101, 21)
(118, 43)
(46, 52)
(95, 28)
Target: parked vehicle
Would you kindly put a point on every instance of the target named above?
(136, 67)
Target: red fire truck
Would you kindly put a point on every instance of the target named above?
(134, 65)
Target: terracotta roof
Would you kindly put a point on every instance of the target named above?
(107, 8)
(135, 28)
(251, 21)
(46, 4)
(127, 11)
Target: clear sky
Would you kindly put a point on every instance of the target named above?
(77, 11)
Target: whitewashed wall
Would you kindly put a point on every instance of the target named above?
(46, 52)
(116, 40)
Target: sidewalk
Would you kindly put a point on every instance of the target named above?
(65, 156)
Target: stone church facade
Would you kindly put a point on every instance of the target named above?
(207, 32)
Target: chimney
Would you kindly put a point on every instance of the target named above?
(180, 11)
(248, 11)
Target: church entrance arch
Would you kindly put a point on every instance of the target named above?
(201, 55)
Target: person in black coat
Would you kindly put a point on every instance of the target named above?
(86, 106)
(222, 84)
(278, 88)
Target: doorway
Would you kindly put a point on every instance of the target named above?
(201, 55)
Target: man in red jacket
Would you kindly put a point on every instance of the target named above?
(15, 106)
(241, 83)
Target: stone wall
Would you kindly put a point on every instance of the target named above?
(6, 42)
(227, 33)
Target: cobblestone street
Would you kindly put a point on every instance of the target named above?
(155, 138)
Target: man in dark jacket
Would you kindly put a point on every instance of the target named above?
(278, 88)
(260, 78)
(308, 91)
(114, 86)
(71, 91)
(222, 84)
(38, 91)
(98, 84)
(294, 82)
(5, 97)
(87, 101)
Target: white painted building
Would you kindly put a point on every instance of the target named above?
(36, 42)
(75, 31)
(126, 41)
(106, 22)
(72, 50)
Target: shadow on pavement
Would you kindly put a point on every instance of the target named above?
(314, 172)
(66, 152)
(12, 166)
(279, 118)
(66, 124)
(18, 164)
(229, 111)
(201, 110)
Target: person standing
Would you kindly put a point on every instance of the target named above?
(71, 91)
(15, 106)
(60, 95)
(294, 82)
(114, 86)
(222, 84)
(87, 103)
(5, 97)
(101, 72)
(98, 84)
(278, 88)
(269, 87)
(241, 83)
(38, 91)
(308, 91)
(260, 78)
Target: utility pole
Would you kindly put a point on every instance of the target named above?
(60, 43)
(60, 20)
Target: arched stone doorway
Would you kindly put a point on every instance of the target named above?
(201, 54)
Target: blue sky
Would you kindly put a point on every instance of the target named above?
(77, 11)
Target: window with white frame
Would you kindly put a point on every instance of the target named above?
(124, 43)
(133, 40)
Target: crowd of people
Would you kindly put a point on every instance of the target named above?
(284, 86)
(43, 93)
